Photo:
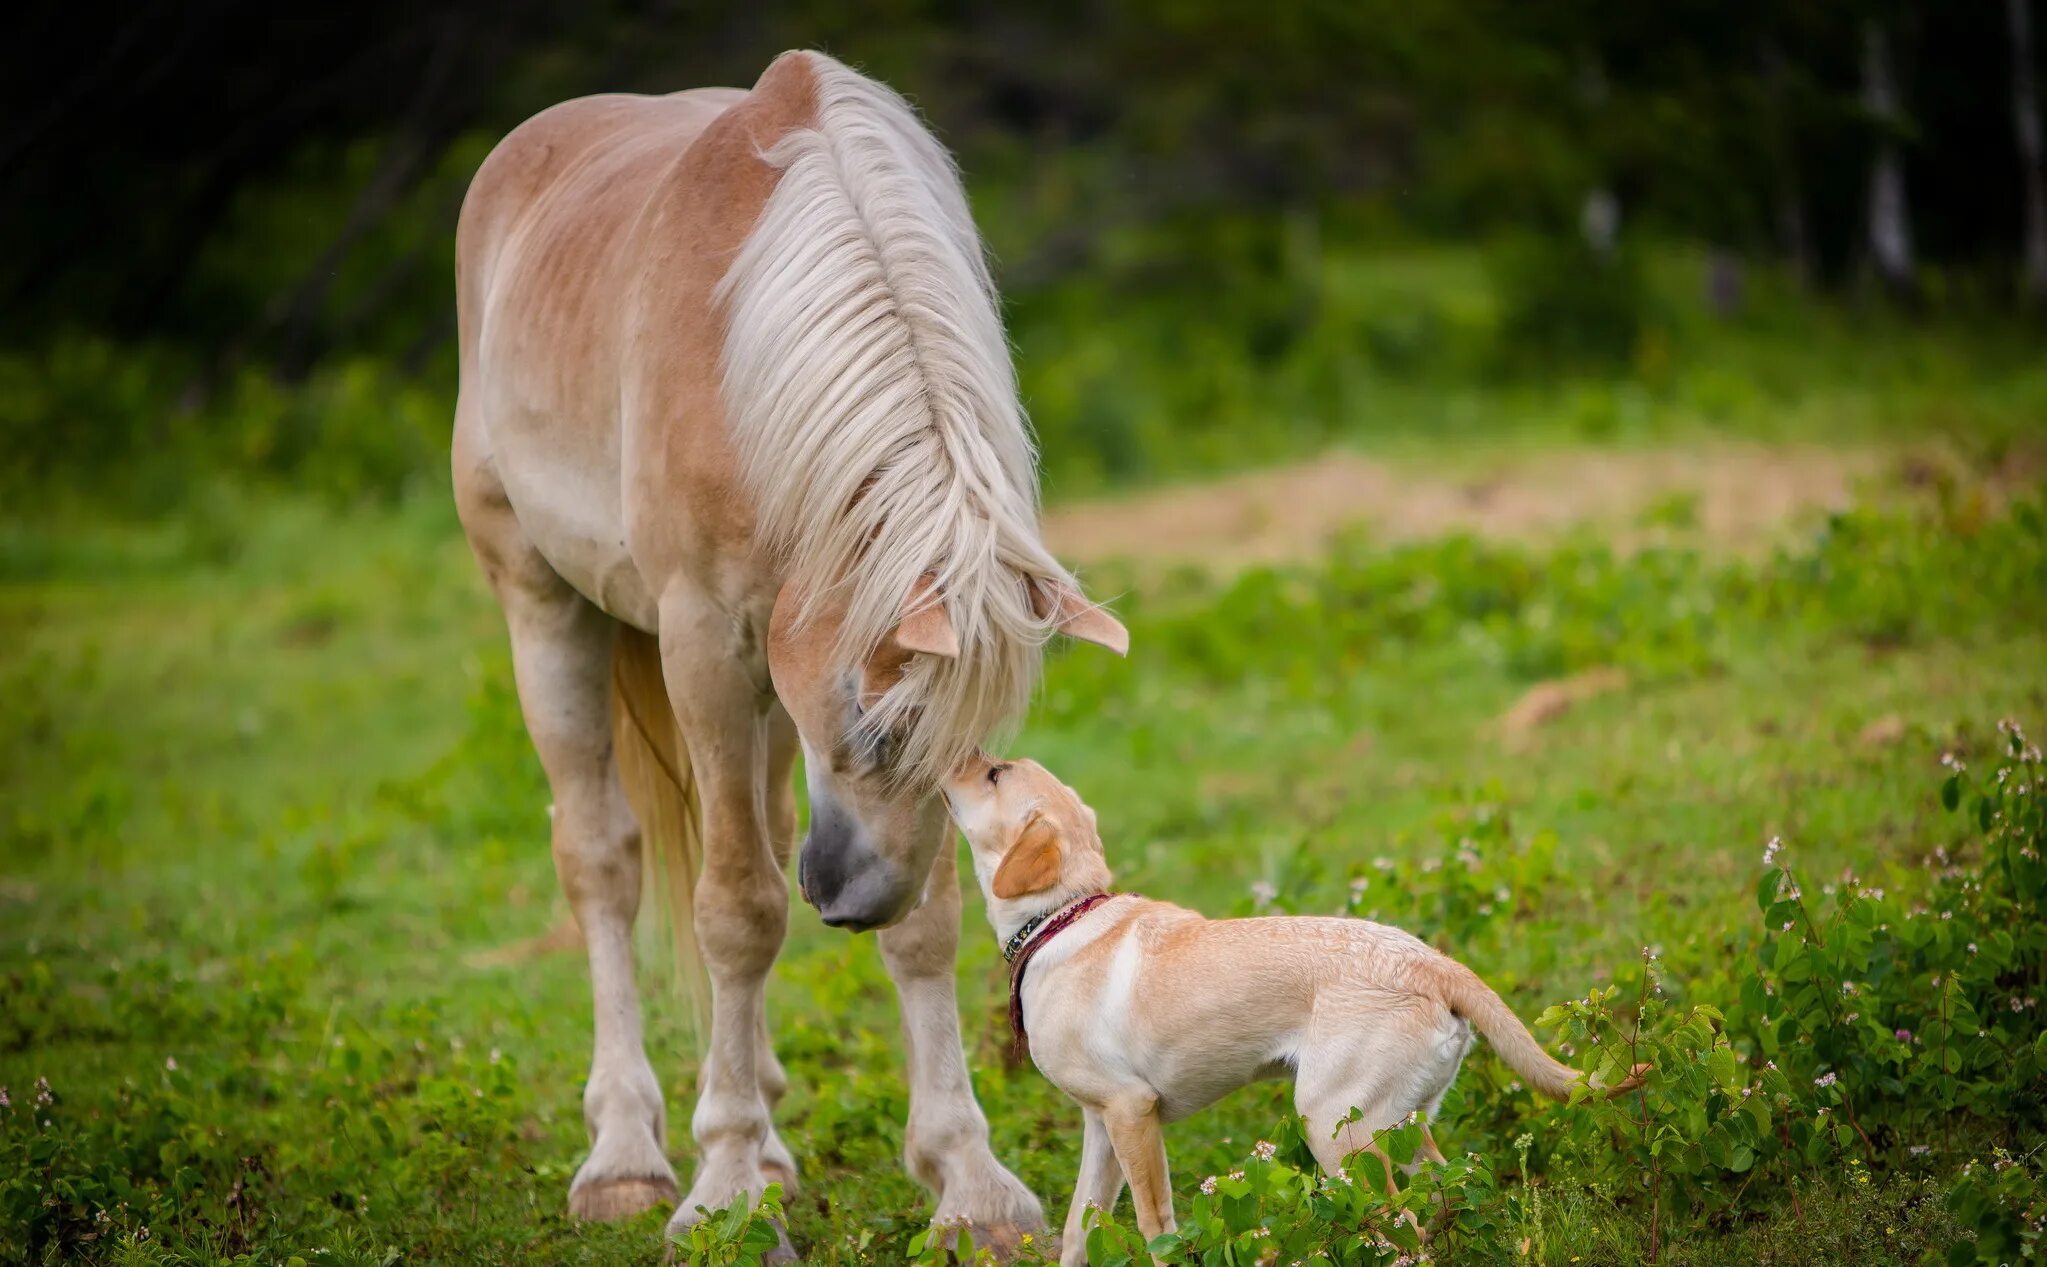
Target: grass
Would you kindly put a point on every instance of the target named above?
(266, 807)
(267, 802)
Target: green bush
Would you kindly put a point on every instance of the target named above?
(1565, 307)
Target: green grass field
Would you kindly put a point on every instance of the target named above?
(266, 812)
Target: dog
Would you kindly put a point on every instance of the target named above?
(1144, 1012)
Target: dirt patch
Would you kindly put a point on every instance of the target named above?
(1544, 702)
(563, 937)
(1730, 496)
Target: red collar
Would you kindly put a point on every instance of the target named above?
(1019, 1042)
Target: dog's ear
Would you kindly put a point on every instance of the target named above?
(1032, 863)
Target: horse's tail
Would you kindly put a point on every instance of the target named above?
(654, 765)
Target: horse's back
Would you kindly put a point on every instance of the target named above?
(569, 179)
(545, 270)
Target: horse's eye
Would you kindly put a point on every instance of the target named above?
(882, 749)
(995, 773)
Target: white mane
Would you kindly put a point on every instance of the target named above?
(875, 412)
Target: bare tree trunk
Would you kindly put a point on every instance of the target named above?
(1890, 227)
(1724, 285)
(2025, 110)
(1599, 212)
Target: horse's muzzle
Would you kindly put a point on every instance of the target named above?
(852, 886)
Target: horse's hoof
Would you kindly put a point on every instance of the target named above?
(609, 1200)
(775, 1172)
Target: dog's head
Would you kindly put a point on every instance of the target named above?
(1031, 835)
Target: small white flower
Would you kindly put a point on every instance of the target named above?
(1264, 1150)
(170, 1062)
(1826, 1079)
(1208, 1186)
(1263, 892)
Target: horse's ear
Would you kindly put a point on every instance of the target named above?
(1077, 617)
(1032, 863)
(925, 626)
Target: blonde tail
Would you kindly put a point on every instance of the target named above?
(653, 764)
(1471, 998)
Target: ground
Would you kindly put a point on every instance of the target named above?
(275, 850)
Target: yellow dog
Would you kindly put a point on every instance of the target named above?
(1144, 1011)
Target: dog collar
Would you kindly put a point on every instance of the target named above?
(1015, 944)
(1022, 946)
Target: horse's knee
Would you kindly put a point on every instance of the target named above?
(740, 922)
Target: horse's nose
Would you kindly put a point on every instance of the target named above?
(869, 896)
(852, 886)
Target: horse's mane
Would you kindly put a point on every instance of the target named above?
(875, 413)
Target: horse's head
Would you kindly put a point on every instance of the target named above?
(871, 764)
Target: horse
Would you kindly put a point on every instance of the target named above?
(738, 449)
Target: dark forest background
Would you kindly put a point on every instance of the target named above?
(214, 208)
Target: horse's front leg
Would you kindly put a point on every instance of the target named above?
(742, 904)
(946, 1142)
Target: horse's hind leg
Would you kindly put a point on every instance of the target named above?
(561, 657)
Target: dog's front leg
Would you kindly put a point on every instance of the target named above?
(1140, 1144)
(1100, 1183)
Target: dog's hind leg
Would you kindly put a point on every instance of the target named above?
(1101, 1182)
(1429, 1149)
(1349, 1093)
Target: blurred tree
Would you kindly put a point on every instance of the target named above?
(267, 186)
(1890, 225)
(2025, 111)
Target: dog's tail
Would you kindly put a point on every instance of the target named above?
(1475, 1001)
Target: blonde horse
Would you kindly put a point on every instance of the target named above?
(738, 449)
